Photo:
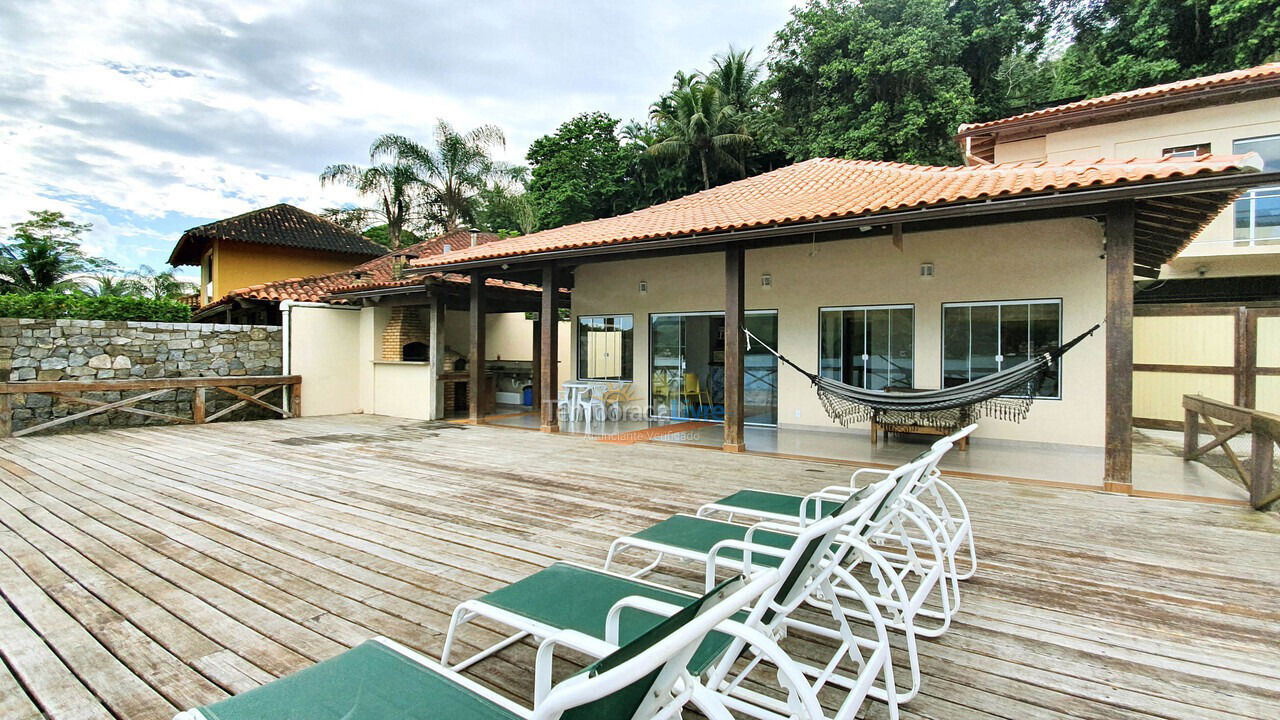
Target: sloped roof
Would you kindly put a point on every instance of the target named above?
(828, 188)
(282, 225)
(375, 274)
(1269, 71)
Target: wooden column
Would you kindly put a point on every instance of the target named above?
(197, 406)
(475, 363)
(549, 338)
(435, 355)
(734, 348)
(536, 364)
(1118, 464)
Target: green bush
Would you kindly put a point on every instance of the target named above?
(52, 306)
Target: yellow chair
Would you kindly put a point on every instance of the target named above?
(692, 388)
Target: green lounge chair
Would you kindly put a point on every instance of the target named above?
(566, 596)
(902, 591)
(949, 511)
(383, 680)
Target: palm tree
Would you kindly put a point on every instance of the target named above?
(159, 285)
(737, 79)
(44, 253)
(455, 172)
(392, 180)
(696, 120)
(105, 285)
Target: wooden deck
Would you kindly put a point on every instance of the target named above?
(152, 569)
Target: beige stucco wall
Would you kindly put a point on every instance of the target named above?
(321, 344)
(1048, 259)
(403, 389)
(1146, 137)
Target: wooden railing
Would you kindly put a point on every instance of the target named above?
(1259, 475)
(68, 391)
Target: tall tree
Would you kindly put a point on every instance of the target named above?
(995, 35)
(578, 172)
(455, 171)
(1127, 44)
(43, 253)
(392, 181)
(876, 79)
(695, 121)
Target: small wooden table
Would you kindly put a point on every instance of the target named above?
(879, 426)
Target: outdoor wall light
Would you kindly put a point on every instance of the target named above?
(644, 287)
(766, 280)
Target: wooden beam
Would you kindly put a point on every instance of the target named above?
(125, 408)
(242, 403)
(475, 364)
(1118, 463)
(75, 386)
(255, 399)
(435, 350)
(734, 347)
(92, 411)
(535, 364)
(549, 338)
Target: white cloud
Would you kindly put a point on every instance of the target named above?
(167, 111)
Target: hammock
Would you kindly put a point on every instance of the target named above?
(1005, 395)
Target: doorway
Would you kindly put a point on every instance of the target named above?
(687, 367)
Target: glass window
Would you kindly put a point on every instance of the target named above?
(979, 339)
(868, 347)
(1186, 151)
(604, 347)
(1257, 212)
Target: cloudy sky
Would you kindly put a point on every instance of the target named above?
(147, 118)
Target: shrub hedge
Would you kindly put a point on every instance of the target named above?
(52, 306)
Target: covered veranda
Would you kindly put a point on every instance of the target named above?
(1143, 220)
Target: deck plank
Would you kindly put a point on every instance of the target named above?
(161, 567)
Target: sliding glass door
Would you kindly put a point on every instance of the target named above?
(687, 366)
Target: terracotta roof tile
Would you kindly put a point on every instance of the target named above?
(283, 225)
(375, 274)
(1167, 90)
(825, 188)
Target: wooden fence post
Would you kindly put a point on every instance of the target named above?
(6, 415)
(1190, 434)
(197, 406)
(295, 399)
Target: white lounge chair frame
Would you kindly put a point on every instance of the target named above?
(672, 653)
(902, 589)
(770, 619)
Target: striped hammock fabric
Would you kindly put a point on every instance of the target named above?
(1005, 395)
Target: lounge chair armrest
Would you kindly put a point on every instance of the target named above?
(634, 602)
(853, 479)
(571, 639)
(747, 548)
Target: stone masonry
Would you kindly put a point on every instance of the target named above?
(93, 350)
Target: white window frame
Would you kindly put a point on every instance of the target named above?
(1000, 350)
(577, 340)
(1251, 197)
(846, 308)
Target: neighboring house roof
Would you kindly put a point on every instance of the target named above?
(281, 225)
(1234, 86)
(827, 188)
(379, 273)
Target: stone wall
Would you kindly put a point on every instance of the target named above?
(115, 350)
